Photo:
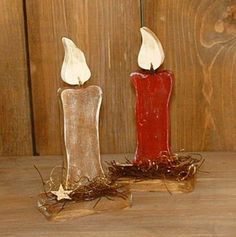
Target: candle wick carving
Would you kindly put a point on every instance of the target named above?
(80, 111)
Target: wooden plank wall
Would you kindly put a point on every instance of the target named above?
(199, 41)
(15, 123)
(108, 32)
(199, 38)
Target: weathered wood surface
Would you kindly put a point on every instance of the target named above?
(199, 43)
(199, 39)
(107, 31)
(209, 211)
(77, 210)
(15, 125)
(160, 185)
(80, 114)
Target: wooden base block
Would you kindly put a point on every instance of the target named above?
(159, 185)
(54, 211)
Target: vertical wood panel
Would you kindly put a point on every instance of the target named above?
(108, 32)
(199, 38)
(15, 125)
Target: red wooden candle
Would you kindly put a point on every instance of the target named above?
(153, 91)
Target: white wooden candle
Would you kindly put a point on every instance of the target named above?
(80, 115)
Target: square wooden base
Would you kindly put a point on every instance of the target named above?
(159, 185)
(78, 209)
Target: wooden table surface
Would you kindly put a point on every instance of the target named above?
(209, 211)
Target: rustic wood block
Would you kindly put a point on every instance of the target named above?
(78, 209)
(160, 185)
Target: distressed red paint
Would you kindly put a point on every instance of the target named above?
(153, 91)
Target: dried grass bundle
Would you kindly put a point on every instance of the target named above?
(100, 187)
(171, 167)
(97, 188)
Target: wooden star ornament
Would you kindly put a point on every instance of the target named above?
(62, 194)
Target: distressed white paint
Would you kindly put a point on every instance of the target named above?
(151, 53)
(75, 70)
(80, 108)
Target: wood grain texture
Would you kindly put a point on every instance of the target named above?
(107, 31)
(209, 211)
(80, 110)
(199, 39)
(15, 124)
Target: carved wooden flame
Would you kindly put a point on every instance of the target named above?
(75, 70)
(151, 54)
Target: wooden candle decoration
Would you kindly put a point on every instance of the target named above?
(154, 160)
(80, 108)
(84, 183)
(153, 91)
